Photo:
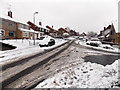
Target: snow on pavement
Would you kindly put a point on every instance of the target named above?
(83, 43)
(24, 47)
(85, 75)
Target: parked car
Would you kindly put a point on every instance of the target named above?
(94, 42)
(82, 39)
(59, 37)
(51, 42)
(106, 46)
(40, 38)
(46, 41)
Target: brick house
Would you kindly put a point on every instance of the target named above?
(117, 38)
(107, 34)
(52, 32)
(62, 31)
(8, 29)
(13, 29)
(38, 30)
(23, 31)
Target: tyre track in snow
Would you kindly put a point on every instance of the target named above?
(15, 70)
(19, 78)
(69, 59)
(22, 60)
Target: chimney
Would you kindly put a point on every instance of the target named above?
(104, 28)
(52, 26)
(40, 23)
(10, 14)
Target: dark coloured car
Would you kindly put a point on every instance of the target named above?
(41, 38)
(51, 42)
(59, 37)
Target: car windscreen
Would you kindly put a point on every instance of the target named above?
(41, 38)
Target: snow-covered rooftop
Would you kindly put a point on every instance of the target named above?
(26, 30)
(4, 8)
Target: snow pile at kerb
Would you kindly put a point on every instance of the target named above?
(86, 75)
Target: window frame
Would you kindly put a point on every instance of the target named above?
(2, 33)
(25, 34)
(11, 34)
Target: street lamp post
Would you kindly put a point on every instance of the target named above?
(34, 23)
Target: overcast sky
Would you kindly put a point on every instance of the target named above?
(80, 15)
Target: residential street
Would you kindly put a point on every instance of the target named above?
(74, 56)
(47, 44)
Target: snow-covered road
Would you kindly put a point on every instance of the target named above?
(24, 48)
(71, 71)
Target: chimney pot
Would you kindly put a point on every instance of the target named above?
(104, 28)
(10, 14)
(40, 23)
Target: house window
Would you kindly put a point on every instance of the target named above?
(62, 31)
(25, 34)
(44, 30)
(11, 33)
(47, 30)
(27, 27)
(11, 24)
(21, 26)
(2, 33)
(3, 20)
(31, 34)
(40, 29)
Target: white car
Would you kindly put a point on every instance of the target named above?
(94, 42)
(46, 41)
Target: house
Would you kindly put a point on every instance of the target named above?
(35, 34)
(8, 29)
(39, 30)
(52, 32)
(73, 33)
(62, 31)
(83, 34)
(107, 34)
(44, 31)
(13, 29)
(24, 31)
(117, 38)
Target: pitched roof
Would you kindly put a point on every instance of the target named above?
(4, 14)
